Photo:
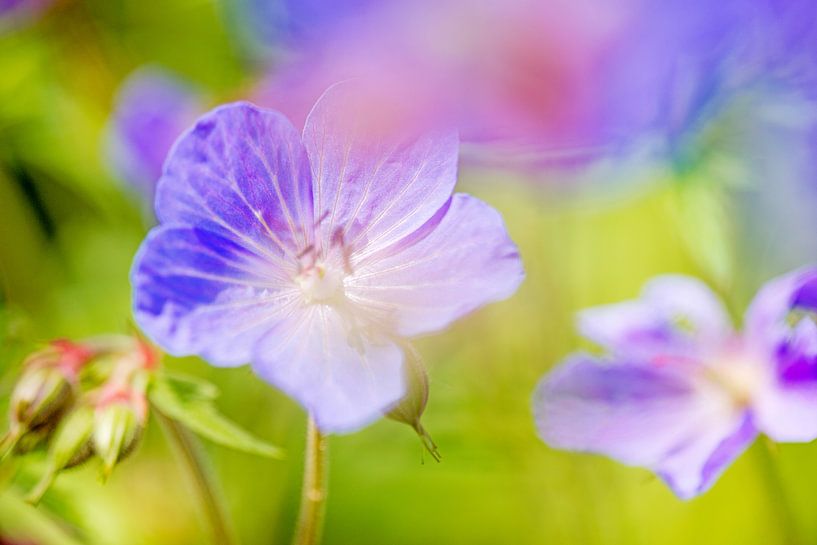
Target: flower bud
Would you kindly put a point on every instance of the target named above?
(409, 410)
(116, 358)
(118, 423)
(43, 393)
(40, 397)
(70, 447)
(34, 438)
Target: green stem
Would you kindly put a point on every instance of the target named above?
(9, 441)
(776, 493)
(20, 519)
(313, 495)
(193, 459)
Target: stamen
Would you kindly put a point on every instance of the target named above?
(346, 252)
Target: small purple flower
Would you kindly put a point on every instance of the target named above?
(311, 256)
(152, 109)
(679, 391)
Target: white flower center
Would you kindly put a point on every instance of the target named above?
(320, 284)
(740, 376)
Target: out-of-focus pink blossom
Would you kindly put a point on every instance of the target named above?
(541, 82)
(517, 71)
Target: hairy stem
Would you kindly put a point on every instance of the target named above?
(313, 496)
(190, 454)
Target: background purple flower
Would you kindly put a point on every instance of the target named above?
(538, 84)
(678, 391)
(152, 109)
(311, 257)
(516, 72)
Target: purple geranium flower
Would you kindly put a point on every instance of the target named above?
(679, 391)
(518, 74)
(152, 109)
(312, 255)
(581, 83)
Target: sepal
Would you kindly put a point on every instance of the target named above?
(410, 409)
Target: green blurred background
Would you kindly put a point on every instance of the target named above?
(68, 231)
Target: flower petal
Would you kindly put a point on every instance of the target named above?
(787, 407)
(152, 109)
(685, 298)
(765, 321)
(342, 375)
(674, 315)
(461, 259)
(630, 327)
(641, 415)
(197, 292)
(241, 172)
(806, 295)
(370, 188)
(633, 413)
(694, 467)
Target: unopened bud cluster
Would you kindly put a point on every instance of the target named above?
(80, 400)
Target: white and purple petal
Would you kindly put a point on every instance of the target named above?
(766, 319)
(787, 409)
(460, 260)
(697, 463)
(370, 188)
(675, 316)
(689, 301)
(241, 172)
(152, 109)
(343, 374)
(197, 292)
(780, 328)
(235, 207)
(628, 411)
(645, 415)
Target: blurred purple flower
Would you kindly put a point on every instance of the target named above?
(679, 391)
(534, 83)
(152, 109)
(744, 98)
(312, 256)
(511, 71)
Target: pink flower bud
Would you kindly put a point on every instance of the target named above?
(119, 420)
(44, 392)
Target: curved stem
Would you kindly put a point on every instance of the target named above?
(313, 496)
(191, 455)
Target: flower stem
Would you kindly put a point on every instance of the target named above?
(19, 518)
(313, 495)
(191, 456)
(776, 492)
